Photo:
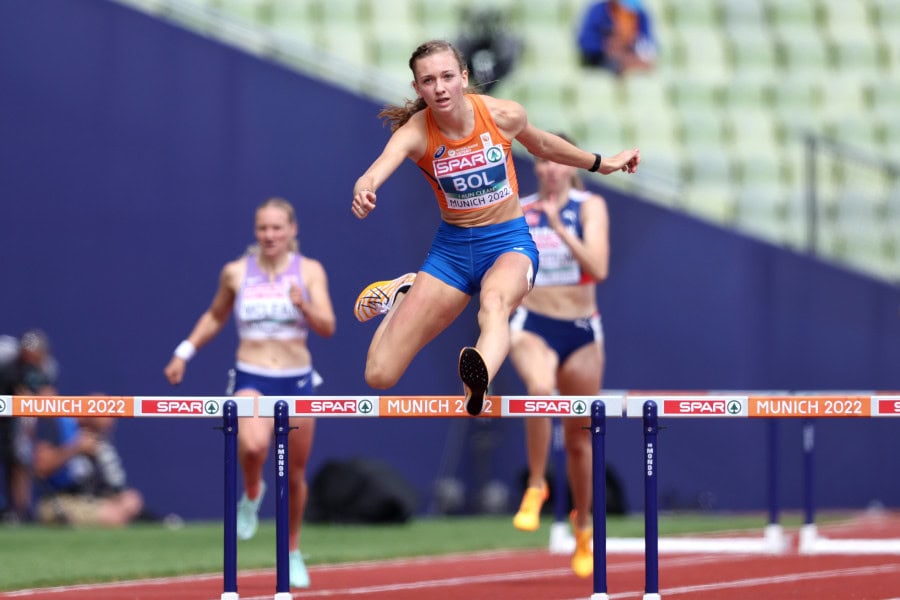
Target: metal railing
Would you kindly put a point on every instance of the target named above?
(847, 188)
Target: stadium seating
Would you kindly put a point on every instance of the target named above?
(723, 119)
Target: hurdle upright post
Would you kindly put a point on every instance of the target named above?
(282, 490)
(229, 572)
(808, 532)
(598, 468)
(651, 504)
(560, 481)
(561, 538)
(772, 469)
(774, 533)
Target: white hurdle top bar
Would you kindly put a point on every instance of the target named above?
(304, 406)
(803, 405)
(440, 406)
(729, 405)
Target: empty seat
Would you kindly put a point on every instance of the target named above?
(750, 132)
(802, 50)
(845, 19)
(654, 131)
(398, 17)
(885, 15)
(841, 97)
(597, 94)
(702, 129)
(691, 94)
(792, 15)
(552, 12)
(711, 199)
(701, 53)
(855, 129)
(345, 43)
(250, 11)
(882, 96)
(438, 19)
(746, 91)
(742, 14)
(605, 133)
(752, 50)
(691, 13)
(860, 56)
(762, 211)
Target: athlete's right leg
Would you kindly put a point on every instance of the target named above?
(415, 319)
(535, 363)
(581, 375)
(254, 437)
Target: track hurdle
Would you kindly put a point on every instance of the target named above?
(226, 408)
(562, 541)
(810, 541)
(773, 540)
(806, 406)
(597, 407)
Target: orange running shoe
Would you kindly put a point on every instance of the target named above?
(378, 298)
(529, 516)
(583, 558)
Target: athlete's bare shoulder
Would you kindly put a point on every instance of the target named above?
(509, 115)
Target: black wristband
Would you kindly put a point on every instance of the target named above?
(596, 165)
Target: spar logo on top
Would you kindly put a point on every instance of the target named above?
(704, 407)
(549, 407)
(336, 406)
(181, 407)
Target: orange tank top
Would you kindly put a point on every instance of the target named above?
(471, 173)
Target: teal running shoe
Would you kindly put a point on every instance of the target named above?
(299, 576)
(247, 514)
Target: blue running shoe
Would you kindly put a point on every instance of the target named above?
(299, 576)
(247, 514)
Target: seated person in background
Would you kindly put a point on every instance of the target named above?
(16, 479)
(27, 368)
(617, 35)
(79, 474)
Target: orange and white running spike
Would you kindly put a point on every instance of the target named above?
(378, 298)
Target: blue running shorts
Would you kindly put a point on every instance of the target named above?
(271, 382)
(563, 336)
(460, 256)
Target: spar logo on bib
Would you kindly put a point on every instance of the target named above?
(474, 180)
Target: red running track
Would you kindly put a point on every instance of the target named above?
(539, 575)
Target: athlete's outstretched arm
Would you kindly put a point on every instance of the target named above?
(408, 141)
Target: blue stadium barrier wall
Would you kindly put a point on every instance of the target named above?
(133, 155)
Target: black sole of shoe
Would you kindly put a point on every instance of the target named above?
(474, 374)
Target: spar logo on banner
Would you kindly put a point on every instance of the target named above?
(2, 405)
(334, 406)
(174, 406)
(546, 406)
(702, 407)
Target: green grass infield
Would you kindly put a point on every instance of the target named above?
(37, 556)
